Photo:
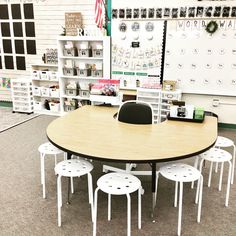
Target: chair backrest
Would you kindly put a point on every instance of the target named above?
(135, 112)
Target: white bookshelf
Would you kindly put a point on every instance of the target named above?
(82, 44)
(44, 78)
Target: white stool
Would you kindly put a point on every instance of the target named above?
(223, 142)
(73, 168)
(118, 184)
(219, 156)
(181, 173)
(47, 149)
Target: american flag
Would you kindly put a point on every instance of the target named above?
(99, 13)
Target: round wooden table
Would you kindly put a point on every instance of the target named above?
(92, 132)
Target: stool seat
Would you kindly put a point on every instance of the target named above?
(48, 148)
(223, 142)
(216, 155)
(118, 183)
(73, 168)
(180, 172)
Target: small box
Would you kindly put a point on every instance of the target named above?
(69, 71)
(54, 107)
(84, 93)
(70, 52)
(36, 91)
(83, 72)
(96, 73)
(54, 92)
(97, 53)
(70, 108)
(45, 92)
(169, 85)
(35, 75)
(71, 92)
(44, 75)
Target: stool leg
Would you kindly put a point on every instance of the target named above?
(200, 200)
(90, 192)
(72, 185)
(42, 162)
(180, 207)
(195, 165)
(233, 166)
(228, 184)
(216, 167)
(221, 175)
(59, 199)
(209, 178)
(200, 168)
(55, 157)
(95, 212)
(176, 194)
(128, 215)
(139, 207)
(197, 192)
(109, 207)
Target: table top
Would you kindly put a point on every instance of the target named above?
(92, 131)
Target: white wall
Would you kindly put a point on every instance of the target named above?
(49, 19)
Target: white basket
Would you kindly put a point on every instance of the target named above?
(36, 91)
(53, 75)
(35, 74)
(38, 106)
(44, 75)
(54, 107)
(45, 92)
(54, 92)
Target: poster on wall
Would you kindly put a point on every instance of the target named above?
(201, 62)
(73, 21)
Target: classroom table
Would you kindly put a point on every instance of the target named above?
(93, 132)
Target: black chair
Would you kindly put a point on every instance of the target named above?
(138, 113)
(135, 112)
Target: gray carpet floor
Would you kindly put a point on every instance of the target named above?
(9, 119)
(24, 212)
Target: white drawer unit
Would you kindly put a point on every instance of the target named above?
(166, 99)
(151, 96)
(22, 96)
(160, 101)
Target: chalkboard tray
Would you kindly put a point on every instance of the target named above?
(185, 119)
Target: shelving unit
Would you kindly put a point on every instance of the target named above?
(82, 60)
(160, 101)
(22, 97)
(46, 93)
(166, 99)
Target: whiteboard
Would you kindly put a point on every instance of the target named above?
(201, 63)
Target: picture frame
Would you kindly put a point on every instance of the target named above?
(183, 12)
(159, 13)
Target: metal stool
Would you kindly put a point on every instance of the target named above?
(223, 142)
(181, 173)
(219, 156)
(47, 149)
(73, 168)
(118, 184)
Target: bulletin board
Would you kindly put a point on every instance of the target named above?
(137, 42)
(202, 63)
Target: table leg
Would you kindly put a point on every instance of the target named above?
(153, 165)
(68, 188)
